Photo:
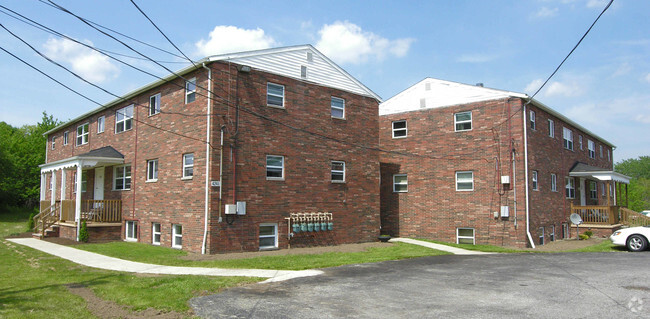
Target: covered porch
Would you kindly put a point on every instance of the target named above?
(66, 210)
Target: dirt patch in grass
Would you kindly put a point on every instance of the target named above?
(108, 310)
(347, 248)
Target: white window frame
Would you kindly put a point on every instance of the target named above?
(268, 93)
(565, 231)
(131, 230)
(337, 108)
(609, 156)
(580, 141)
(399, 130)
(84, 134)
(542, 236)
(303, 71)
(155, 233)
(274, 236)
(533, 123)
(404, 183)
(53, 142)
(176, 235)
(456, 122)
(190, 90)
(553, 183)
(84, 182)
(101, 124)
(551, 128)
(593, 190)
(591, 147)
(459, 237)
(154, 104)
(535, 181)
(126, 180)
(570, 187)
(337, 172)
(567, 135)
(65, 137)
(552, 236)
(274, 167)
(152, 170)
(601, 150)
(124, 116)
(464, 181)
(187, 168)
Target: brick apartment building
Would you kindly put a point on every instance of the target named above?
(469, 164)
(218, 160)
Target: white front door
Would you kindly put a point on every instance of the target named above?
(98, 190)
(583, 193)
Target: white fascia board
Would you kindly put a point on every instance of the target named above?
(603, 176)
(79, 160)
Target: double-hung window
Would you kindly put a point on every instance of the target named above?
(188, 165)
(541, 235)
(551, 128)
(177, 236)
(338, 108)
(535, 184)
(570, 187)
(465, 181)
(399, 129)
(567, 134)
(580, 141)
(65, 138)
(100, 124)
(601, 150)
(84, 182)
(274, 95)
(124, 119)
(155, 233)
(82, 134)
(533, 124)
(122, 177)
(131, 230)
(152, 170)
(53, 142)
(274, 167)
(591, 146)
(593, 190)
(338, 172)
(154, 104)
(609, 156)
(553, 183)
(190, 90)
(400, 183)
(463, 121)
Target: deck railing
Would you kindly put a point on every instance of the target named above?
(100, 211)
(600, 215)
(47, 216)
(632, 218)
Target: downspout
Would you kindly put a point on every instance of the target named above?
(221, 171)
(207, 162)
(530, 238)
(514, 183)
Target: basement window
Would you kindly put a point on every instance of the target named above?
(177, 236)
(541, 235)
(155, 233)
(465, 236)
(552, 233)
(268, 236)
(565, 231)
(131, 231)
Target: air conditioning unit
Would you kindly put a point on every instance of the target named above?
(505, 211)
(241, 208)
(231, 209)
(505, 179)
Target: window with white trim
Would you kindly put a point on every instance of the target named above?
(580, 140)
(400, 183)
(188, 165)
(552, 235)
(570, 188)
(565, 230)
(553, 183)
(82, 134)
(591, 146)
(601, 150)
(122, 177)
(338, 171)
(274, 95)
(551, 128)
(463, 121)
(177, 236)
(535, 184)
(53, 142)
(274, 167)
(268, 236)
(465, 181)
(533, 124)
(152, 170)
(190, 90)
(609, 156)
(100, 124)
(399, 129)
(567, 134)
(65, 138)
(131, 230)
(465, 236)
(338, 107)
(541, 235)
(124, 119)
(303, 71)
(154, 104)
(593, 190)
(84, 181)
(155, 233)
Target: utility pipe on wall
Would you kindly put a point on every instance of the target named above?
(207, 161)
(530, 238)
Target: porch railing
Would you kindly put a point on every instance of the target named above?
(632, 218)
(600, 215)
(104, 211)
(48, 216)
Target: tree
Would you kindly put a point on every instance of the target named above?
(639, 189)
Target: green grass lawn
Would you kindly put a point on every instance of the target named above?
(604, 246)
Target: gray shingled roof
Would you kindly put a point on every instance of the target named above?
(582, 167)
(106, 151)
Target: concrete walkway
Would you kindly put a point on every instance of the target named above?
(449, 249)
(110, 263)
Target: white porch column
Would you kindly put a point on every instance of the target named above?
(77, 206)
(583, 195)
(53, 190)
(63, 190)
(43, 186)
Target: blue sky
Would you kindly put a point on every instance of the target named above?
(387, 45)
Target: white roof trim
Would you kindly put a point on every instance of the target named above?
(603, 176)
(79, 161)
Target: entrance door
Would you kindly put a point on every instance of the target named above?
(98, 191)
(583, 193)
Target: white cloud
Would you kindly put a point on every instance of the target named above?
(647, 78)
(476, 58)
(545, 12)
(569, 88)
(598, 4)
(623, 69)
(533, 86)
(228, 39)
(89, 64)
(345, 42)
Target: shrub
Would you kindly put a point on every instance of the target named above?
(83, 232)
(584, 237)
(589, 233)
(30, 222)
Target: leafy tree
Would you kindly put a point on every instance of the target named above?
(639, 188)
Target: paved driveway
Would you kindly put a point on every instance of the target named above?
(568, 285)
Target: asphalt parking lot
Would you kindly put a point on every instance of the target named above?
(566, 285)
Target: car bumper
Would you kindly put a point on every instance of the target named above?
(619, 240)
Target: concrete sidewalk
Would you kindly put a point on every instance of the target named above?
(110, 263)
(449, 249)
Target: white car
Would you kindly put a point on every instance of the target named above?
(634, 238)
